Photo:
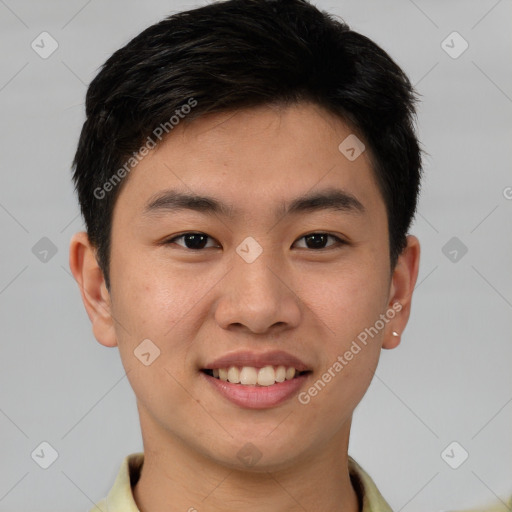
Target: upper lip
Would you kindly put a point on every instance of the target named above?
(258, 360)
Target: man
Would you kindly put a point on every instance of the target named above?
(248, 172)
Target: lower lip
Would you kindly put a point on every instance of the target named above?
(257, 397)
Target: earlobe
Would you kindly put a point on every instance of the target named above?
(95, 296)
(403, 282)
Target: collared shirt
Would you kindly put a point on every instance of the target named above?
(120, 498)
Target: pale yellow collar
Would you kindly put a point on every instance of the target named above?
(120, 498)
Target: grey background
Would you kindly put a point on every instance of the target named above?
(450, 380)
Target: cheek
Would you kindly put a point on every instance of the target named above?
(165, 305)
(347, 302)
(153, 298)
(150, 306)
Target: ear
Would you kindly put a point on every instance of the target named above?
(403, 281)
(95, 296)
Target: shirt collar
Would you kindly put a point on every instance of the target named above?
(120, 498)
(370, 498)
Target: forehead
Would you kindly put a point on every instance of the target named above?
(255, 160)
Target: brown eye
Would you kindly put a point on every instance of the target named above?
(319, 240)
(193, 241)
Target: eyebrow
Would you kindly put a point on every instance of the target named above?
(330, 199)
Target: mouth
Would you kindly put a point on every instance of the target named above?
(256, 380)
(265, 376)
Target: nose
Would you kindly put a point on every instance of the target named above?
(257, 298)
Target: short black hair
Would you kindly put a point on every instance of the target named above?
(238, 54)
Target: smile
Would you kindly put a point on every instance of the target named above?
(252, 376)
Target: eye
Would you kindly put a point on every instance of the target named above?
(194, 241)
(198, 241)
(318, 240)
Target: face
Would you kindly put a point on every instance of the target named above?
(283, 263)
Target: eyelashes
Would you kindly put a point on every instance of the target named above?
(196, 241)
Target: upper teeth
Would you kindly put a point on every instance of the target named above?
(250, 376)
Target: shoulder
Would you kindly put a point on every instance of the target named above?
(101, 506)
(120, 497)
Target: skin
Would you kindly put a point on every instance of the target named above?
(196, 306)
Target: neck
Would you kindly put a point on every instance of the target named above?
(176, 477)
